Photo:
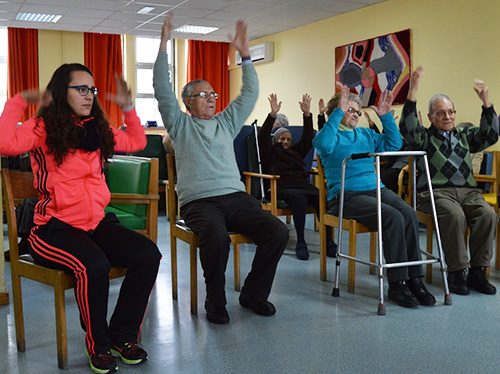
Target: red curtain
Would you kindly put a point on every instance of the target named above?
(209, 61)
(103, 55)
(22, 64)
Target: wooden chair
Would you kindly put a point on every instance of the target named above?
(179, 230)
(17, 186)
(490, 197)
(351, 225)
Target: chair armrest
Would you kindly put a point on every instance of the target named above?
(258, 175)
(484, 178)
(132, 198)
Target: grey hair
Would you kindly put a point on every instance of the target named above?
(187, 90)
(277, 133)
(439, 97)
(334, 102)
(281, 119)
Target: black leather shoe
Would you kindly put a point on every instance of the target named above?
(263, 309)
(216, 314)
(418, 289)
(476, 279)
(457, 283)
(401, 294)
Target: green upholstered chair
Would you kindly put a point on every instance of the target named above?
(133, 183)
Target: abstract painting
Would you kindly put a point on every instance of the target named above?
(371, 66)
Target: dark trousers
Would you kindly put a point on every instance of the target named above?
(90, 255)
(399, 227)
(299, 199)
(212, 218)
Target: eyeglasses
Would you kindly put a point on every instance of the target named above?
(205, 95)
(84, 90)
(442, 113)
(352, 110)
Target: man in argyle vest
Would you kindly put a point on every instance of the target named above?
(459, 202)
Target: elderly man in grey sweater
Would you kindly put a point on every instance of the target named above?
(212, 197)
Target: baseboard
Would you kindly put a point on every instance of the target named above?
(4, 298)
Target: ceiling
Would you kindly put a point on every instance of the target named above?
(264, 17)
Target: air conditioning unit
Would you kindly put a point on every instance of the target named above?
(263, 52)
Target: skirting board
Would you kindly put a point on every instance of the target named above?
(4, 298)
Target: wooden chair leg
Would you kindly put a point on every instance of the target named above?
(194, 278)
(62, 338)
(237, 273)
(322, 251)
(428, 271)
(373, 251)
(17, 298)
(173, 265)
(351, 267)
(288, 219)
(497, 255)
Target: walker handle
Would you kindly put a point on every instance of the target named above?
(357, 156)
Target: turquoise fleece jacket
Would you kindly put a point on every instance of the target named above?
(204, 153)
(335, 142)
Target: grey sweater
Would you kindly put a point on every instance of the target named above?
(205, 161)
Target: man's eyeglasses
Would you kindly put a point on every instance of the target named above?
(442, 113)
(352, 110)
(205, 95)
(84, 90)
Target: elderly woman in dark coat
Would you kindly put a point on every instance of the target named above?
(280, 157)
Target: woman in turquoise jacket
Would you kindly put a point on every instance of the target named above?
(340, 138)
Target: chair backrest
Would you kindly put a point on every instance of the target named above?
(155, 149)
(17, 185)
(133, 183)
(128, 175)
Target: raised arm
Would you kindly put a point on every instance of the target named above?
(167, 101)
(325, 140)
(321, 114)
(240, 39)
(487, 133)
(410, 127)
(14, 139)
(304, 145)
(237, 112)
(264, 136)
(134, 139)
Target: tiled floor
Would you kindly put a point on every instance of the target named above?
(312, 332)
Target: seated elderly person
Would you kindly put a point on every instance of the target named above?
(280, 120)
(340, 138)
(280, 157)
(458, 202)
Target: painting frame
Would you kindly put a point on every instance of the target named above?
(368, 67)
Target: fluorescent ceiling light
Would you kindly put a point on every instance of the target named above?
(146, 10)
(37, 17)
(189, 29)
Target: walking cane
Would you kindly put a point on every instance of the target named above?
(254, 124)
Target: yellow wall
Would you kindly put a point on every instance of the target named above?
(56, 48)
(454, 40)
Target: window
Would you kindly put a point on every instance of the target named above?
(145, 56)
(3, 67)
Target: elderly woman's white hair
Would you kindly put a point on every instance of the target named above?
(281, 120)
(277, 133)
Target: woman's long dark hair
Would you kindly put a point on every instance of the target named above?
(59, 118)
